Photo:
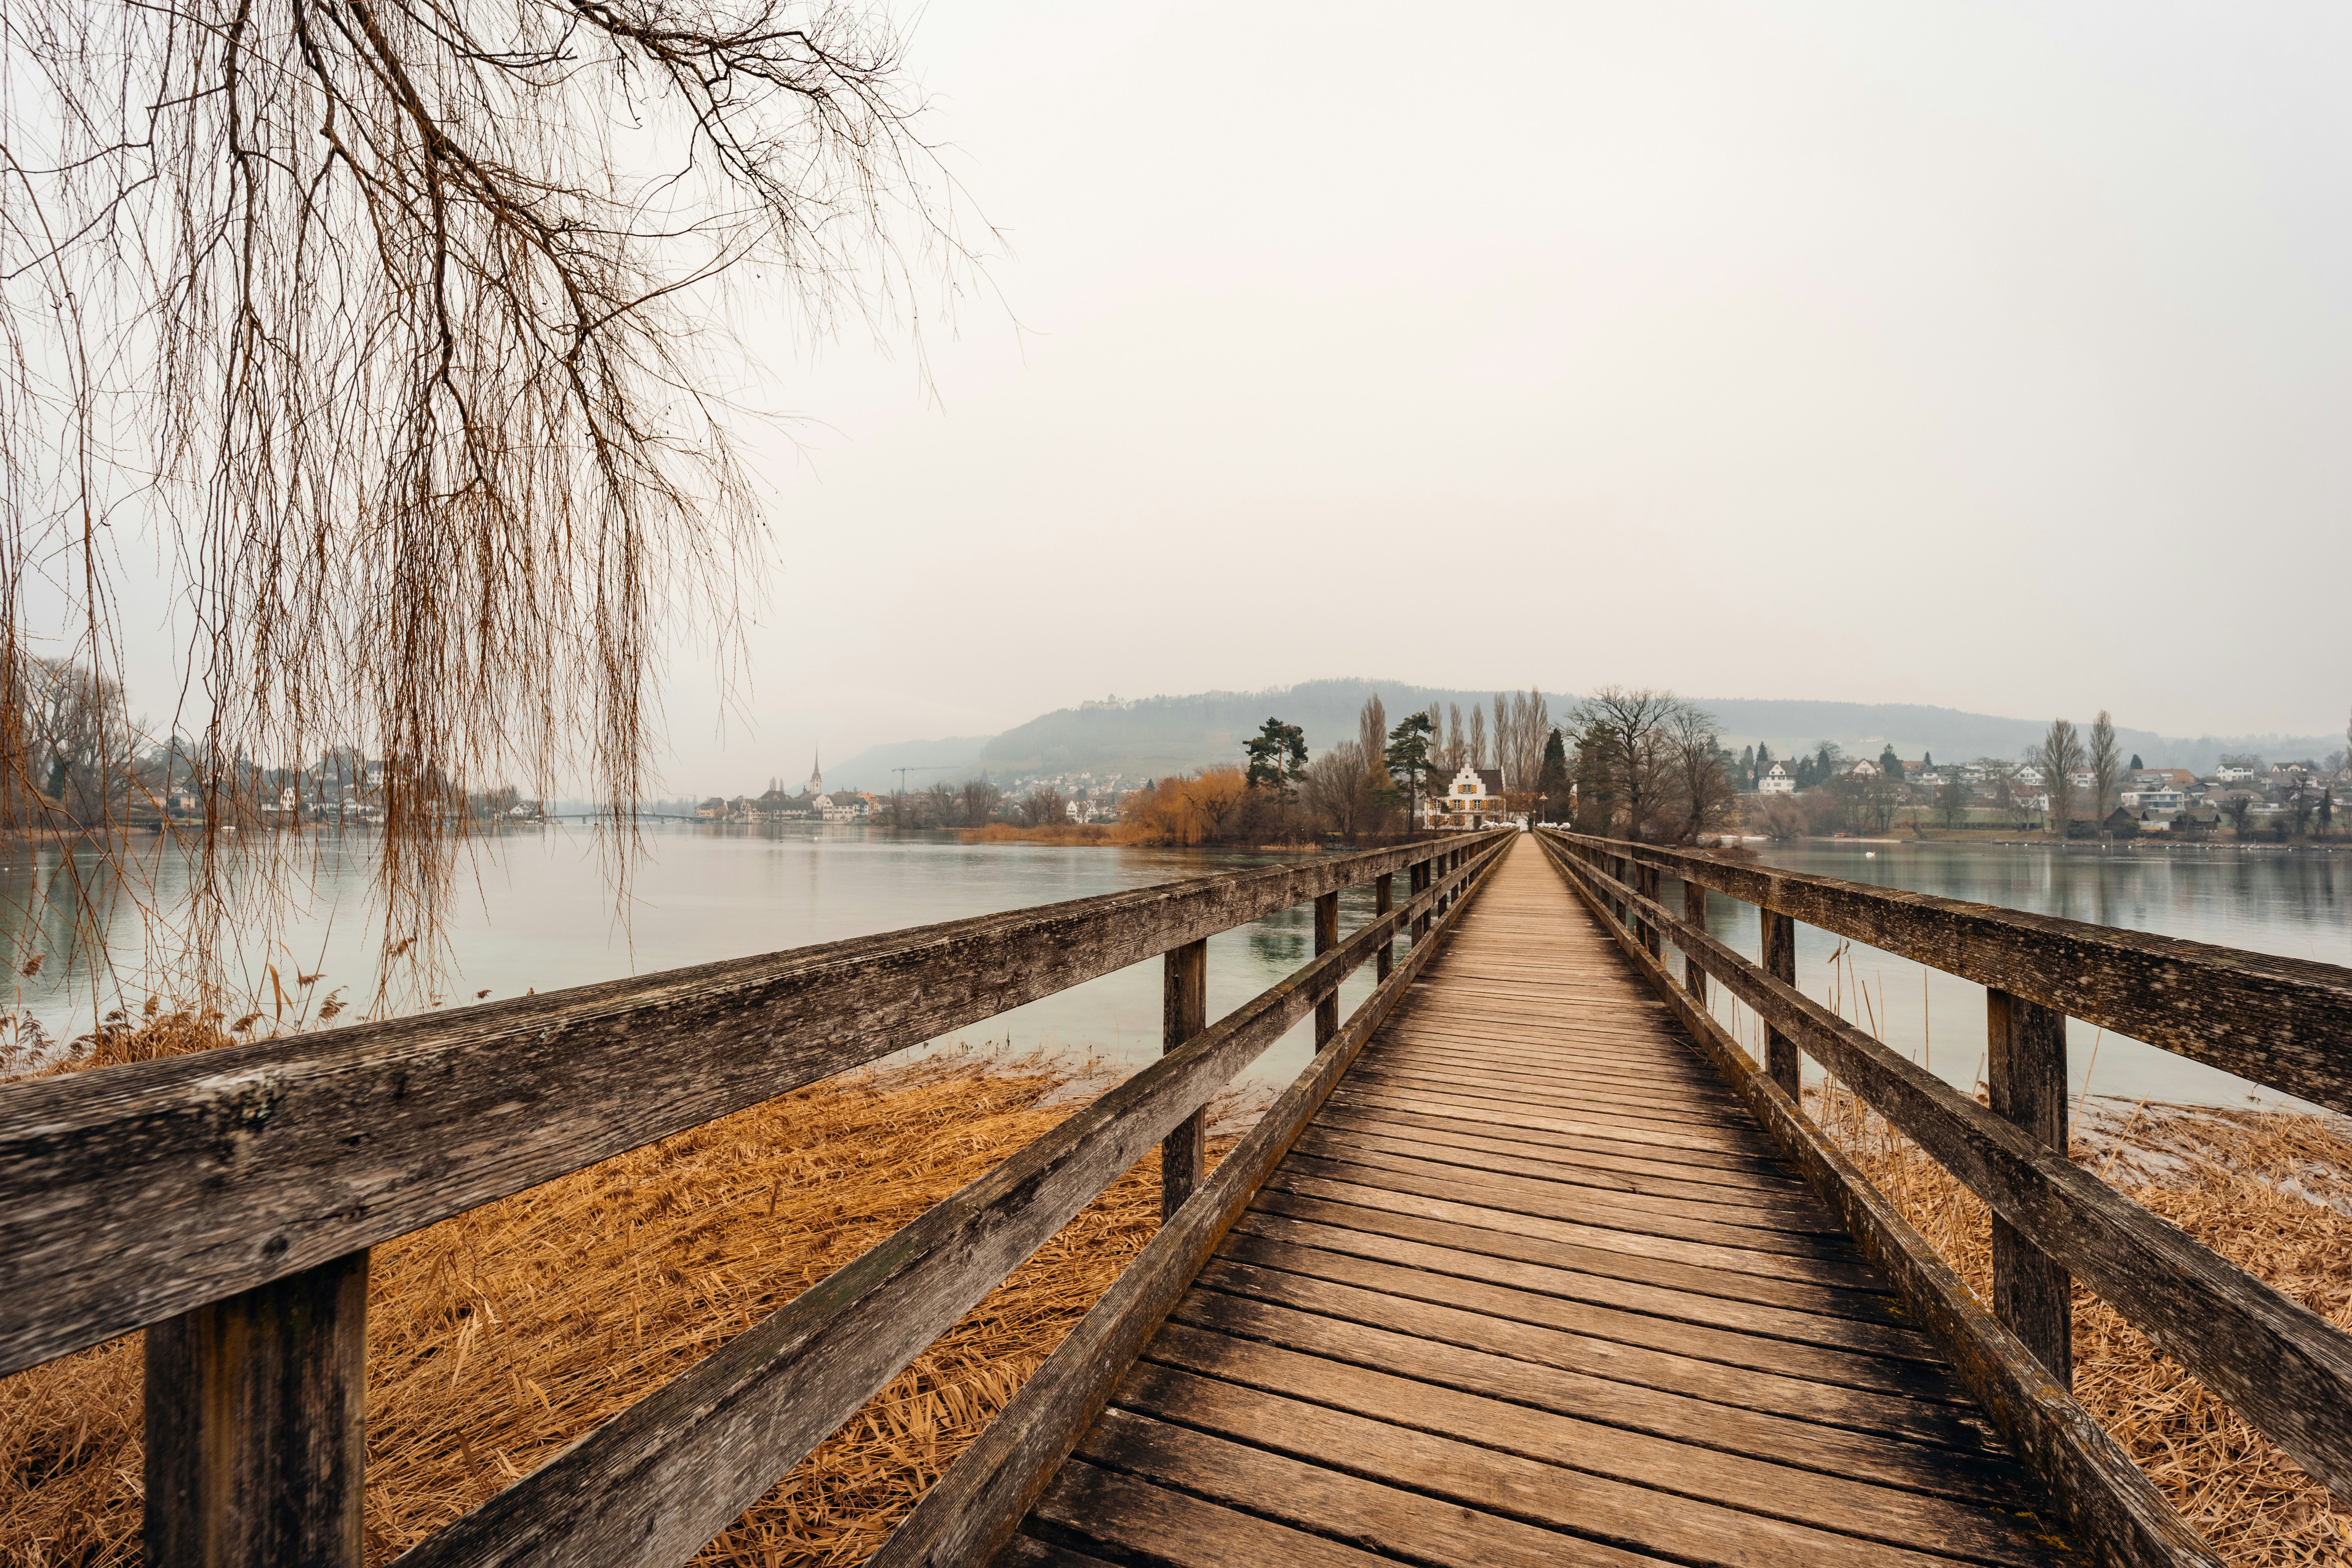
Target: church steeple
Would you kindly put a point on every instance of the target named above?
(816, 775)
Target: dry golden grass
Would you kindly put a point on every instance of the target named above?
(496, 1338)
(2269, 1190)
(1050, 833)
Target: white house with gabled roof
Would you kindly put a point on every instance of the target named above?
(1473, 797)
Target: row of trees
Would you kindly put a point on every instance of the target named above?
(1650, 766)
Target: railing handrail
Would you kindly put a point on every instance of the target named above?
(135, 1192)
(2277, 1363)
(2280, 1021)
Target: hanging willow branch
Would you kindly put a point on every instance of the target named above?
(394, 319)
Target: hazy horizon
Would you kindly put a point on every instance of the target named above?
(1990, 357)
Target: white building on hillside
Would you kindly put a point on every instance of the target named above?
(1776, 780)
(1472, 798)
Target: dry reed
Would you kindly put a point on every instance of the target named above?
(2272, 1191)
(497, 1337)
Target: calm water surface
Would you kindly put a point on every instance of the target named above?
(540, 912)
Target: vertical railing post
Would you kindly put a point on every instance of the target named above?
(1419, 885)
(1327, 937)
(1184, 1013)
(1695, 917)
(1781, 963)
(1384, 900)
(2026, 1058)
(255, 1426)
(1645, 880)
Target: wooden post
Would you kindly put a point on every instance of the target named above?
(1184, 1013)
(1327, 937)
(1648, 880)
(2026, 1058)
(1694, 916)
(1781, 963)
(255, 1412)
(1384, 900)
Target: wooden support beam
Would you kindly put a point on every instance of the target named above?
(1384, 900)
(1781, 963)
(1184, 1013)
(1327, 937)
(1695, 916)
(2026, 1070)
(256, 1421)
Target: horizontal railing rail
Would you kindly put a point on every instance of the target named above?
(225, 1201)
(2279, 1364)
(2282, 1022)
(130, 1194)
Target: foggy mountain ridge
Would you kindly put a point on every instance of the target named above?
(1147, 737)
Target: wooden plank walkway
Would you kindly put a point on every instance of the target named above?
(1534, 1289)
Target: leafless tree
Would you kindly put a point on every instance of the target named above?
(1622, 738)
(1455, 750)
(1700, 792)
(977, 802)
(1043, 807)
(1477, 736)
(1341, 789)
(398, 322)
(2106, 766)
(2059, 757)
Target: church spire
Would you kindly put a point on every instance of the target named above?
(817, 773)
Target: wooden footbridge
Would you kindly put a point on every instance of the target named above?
(1532, 1264)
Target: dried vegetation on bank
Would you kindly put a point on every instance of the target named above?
(497, 1337)
(2269, 1190)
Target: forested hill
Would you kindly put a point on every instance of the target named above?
(1147, 737)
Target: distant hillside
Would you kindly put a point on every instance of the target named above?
(1155, 735)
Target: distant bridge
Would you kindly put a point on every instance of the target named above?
(1531, 1264)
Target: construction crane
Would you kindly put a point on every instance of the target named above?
(902, 772)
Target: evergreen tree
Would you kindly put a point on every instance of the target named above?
(1552, 780)
(1927, 760)
(1747, 770)
(2135, 764)
(1407, 756)
(1278, 755)
(1889, 763)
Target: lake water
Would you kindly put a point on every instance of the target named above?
(539, 912)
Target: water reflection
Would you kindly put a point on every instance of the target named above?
(2288, 902)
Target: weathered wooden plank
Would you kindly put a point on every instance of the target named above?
(982, 1496)
(256, 1418)
(1250, 1264)
(1340, 1154)
(2025, 1068)
(1393, 1522)
(1160, 1524)
(1682, 1529)
(656, 1482)
(2278, 1021)
(1028, 1551)
(2275, 1361)
(1580, 1206)
(1964, 1475)
(1561, 1094)
(2110, 1499)
(1431, 1155)
(1594, 1121)
(130, 1194)
(1780, 946)
(1765, 1488)
(1696, 1164)
(1766, 1183)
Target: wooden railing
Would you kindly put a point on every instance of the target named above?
(225, 1202)
(2280, 1021)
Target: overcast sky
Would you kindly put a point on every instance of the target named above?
(1981, 355)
